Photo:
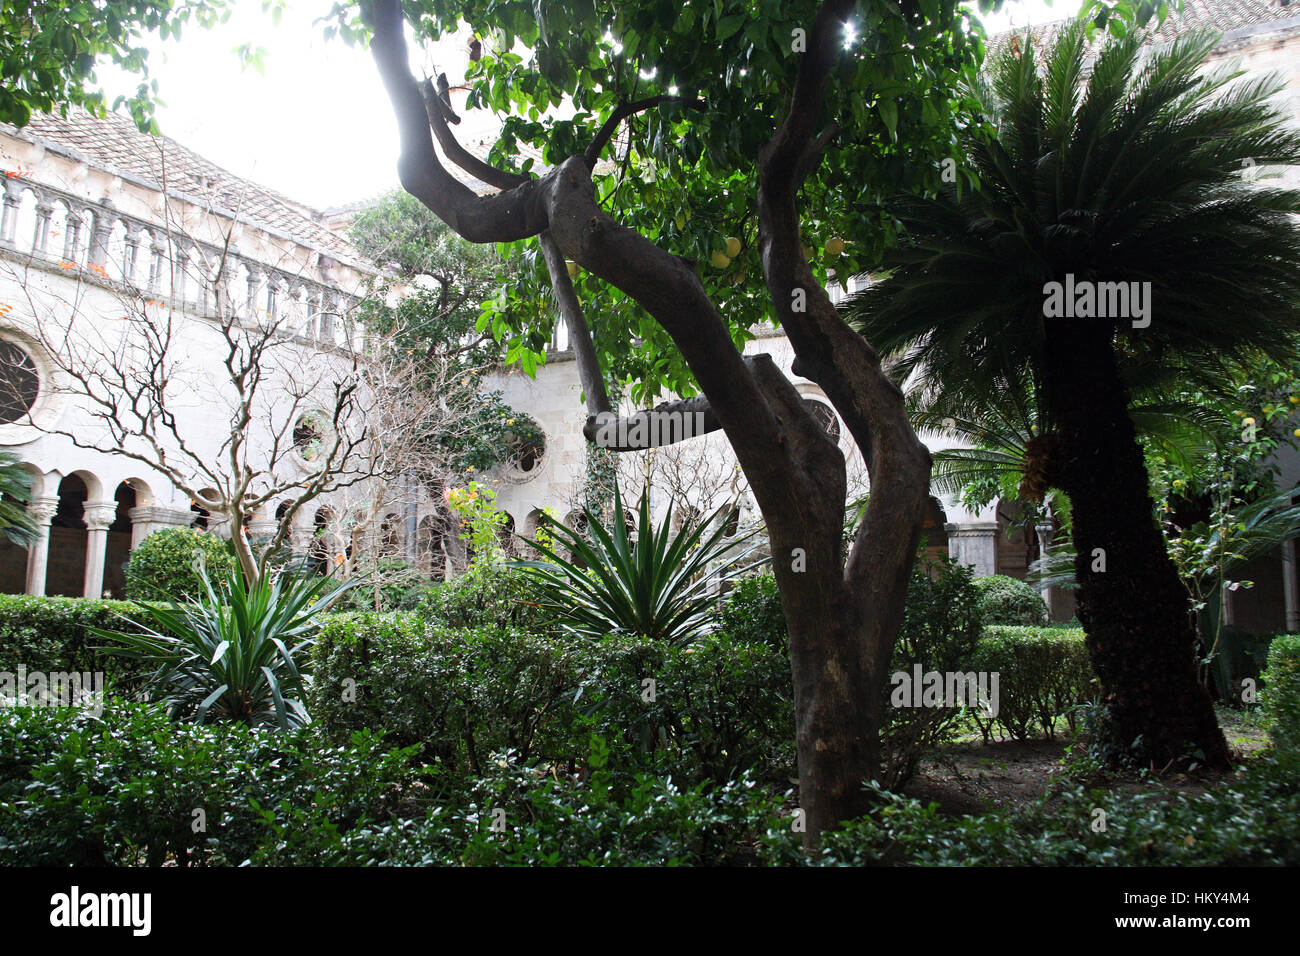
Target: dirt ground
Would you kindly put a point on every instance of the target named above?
(971, 776)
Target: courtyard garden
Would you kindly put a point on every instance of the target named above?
(616, 712)
(890, 265)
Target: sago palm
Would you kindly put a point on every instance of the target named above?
(16, 522)
(1123, 168)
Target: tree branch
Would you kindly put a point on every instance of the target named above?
(622, 112)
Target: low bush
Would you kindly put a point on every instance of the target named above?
(706, 711)
(528, 815)
(134, 787)
(390, 585)
(941, 626)
(1044, 674)
(752, 611)
(52, 634)
(1281, 692)
(1253, 820)
(488, 595)
(163, 565)
(1007, 600)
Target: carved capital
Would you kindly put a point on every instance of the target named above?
(99, 514)
(43, 511)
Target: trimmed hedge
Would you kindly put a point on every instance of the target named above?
(136, 788)
(50, 634)
(1007, 600)
(1281, 692)
(1044, 673)
(714, 708)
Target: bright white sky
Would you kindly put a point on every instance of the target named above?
(317, 126)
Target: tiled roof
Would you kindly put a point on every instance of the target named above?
(1226, 15)
(1229, 17)
(115, 144)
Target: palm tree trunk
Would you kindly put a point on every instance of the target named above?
(1130, 601)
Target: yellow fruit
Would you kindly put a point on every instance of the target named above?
(733, 246)
(1295, 400)
(1296, 433)
(720, 260)
(834, 246)
(572, 267)
(1248, 421)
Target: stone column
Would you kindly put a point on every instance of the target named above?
(329, 303)
(13, 193)
(99, 515)
(44, 213)
(38, 552)
(974, 544)
(72, 233)
(1289, 596)
(101, 231)
(131, 265)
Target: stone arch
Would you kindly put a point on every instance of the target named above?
(1016, 544)
(69, 536)
(509, 542)
(432, 553)
(126, 498)
(934, 535)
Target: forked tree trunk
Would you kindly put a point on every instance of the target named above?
(1130, 601)
(843, 618)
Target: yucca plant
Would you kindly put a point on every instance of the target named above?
(656, 583)
(237, 653)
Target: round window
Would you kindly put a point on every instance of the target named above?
(20, 383)
(825, 416)
(308, 436)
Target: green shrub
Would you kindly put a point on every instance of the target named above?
(1281, 692)
(1252, 820)
(1044, 673)
(392, 584)
(53, 634)
(134, 787)
(162, 566)
(714, 709)
(1006, 600)
(485, 596)
(941, 625)
(753, 612)
(529, 815)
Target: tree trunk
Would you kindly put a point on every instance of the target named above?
(1130, 600)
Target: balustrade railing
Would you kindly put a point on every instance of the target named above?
(61, 230)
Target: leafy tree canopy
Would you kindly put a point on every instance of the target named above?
(683, 171)
(445, 280)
